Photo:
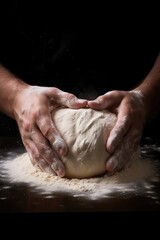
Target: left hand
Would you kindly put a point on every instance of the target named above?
(32, 108)
(125, 136)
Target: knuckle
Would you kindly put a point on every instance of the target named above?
(58, 141)
(42, 149)
(34, 114)
(36, 157)
(41, 164)
(46, 130)
(119, 130)
(54, 91)
(116, 93)
(71, 96)
(48, 154)
(45, 151)
(26, 126)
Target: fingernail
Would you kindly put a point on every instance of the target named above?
(62, 151)
(58, 168)
(112, 138)
(111, 165)
(61, 172)
(110, 142)
(110, 148)
(82, 100)
(50, 171)
(60, 147)
(79, 100)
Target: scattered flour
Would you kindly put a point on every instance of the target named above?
(20, 169)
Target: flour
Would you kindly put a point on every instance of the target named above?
(21, 170)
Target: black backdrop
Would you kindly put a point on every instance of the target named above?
(86, 51)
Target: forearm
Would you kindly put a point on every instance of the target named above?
(150, 89)
(10, 86)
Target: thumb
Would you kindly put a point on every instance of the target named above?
(65, 99)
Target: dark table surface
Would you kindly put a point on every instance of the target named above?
(21, 197)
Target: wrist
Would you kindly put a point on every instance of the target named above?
(18, 88)
(150, 98)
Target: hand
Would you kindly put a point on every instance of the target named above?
(32, 107)
(125, 136)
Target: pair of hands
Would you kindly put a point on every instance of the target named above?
(44, 143)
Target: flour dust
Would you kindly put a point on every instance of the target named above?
(137, 178)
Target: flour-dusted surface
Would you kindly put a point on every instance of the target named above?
(20, 170)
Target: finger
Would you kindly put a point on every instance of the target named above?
(44, 166)
(125, 152)
(122, 126)
(107, 100)
(49, 131)
(117, 160)
(55, 163)
(30, 148)
(126, 121)
(119, 130)
(45, 152)
(111, 165)
(36, 159)
(65, 98)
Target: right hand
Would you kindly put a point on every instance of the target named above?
(44, 144)
(124, 139)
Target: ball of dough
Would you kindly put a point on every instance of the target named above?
(85, 131)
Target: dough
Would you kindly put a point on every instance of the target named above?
(85, 132)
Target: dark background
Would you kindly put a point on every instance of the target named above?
(86, 51)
